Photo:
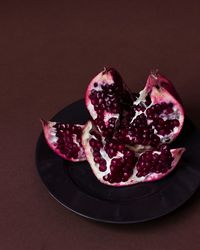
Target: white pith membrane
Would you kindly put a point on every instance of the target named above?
(133, 179)
(158, 95)
(52, 140)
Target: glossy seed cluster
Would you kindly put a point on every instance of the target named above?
(122, 163)
(148, 126)
(107, 99)
(65, 143)
(96, 145)
(154, 162)
(122, 160)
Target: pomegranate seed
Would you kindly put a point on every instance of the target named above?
(102, 168)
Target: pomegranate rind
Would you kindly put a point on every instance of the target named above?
(86, 136)
(155, 78)
(52, 140)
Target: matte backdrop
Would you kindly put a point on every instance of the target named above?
(49, 51)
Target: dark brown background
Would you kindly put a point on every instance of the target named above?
(48, 53)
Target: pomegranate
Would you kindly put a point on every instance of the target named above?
(104, 98)
(156, 116)
(115, 164)
(65, 139)
(128, 139)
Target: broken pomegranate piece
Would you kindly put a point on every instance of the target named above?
(64, 139)
(156, 116)
(116, 164)
(104, 97)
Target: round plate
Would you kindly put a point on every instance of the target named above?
(76, 188)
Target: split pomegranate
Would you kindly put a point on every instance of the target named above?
(128, 139)
(104, 97)
(156, 116)
(115, 164)
(64, 139)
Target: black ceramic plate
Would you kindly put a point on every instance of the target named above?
(76, 188)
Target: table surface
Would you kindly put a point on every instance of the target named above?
(48, 54)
